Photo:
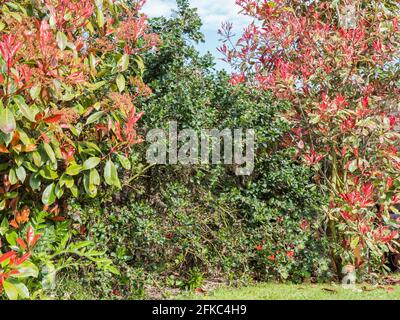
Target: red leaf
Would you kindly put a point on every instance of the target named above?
(22, 259)
(21, 243)
(7, 255)
(57, 219)
(52, 119)
(35, 239)
(3, 149)
(29, 236)
(14, 224)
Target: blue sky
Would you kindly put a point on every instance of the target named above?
(213, 14)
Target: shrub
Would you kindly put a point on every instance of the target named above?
(67, 106)
(337, 64)
(179, 225)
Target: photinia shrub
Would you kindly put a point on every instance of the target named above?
(67, 113)
(70, 72)
(337, 62)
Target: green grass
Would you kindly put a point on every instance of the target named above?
(299, 292)
(73, 289)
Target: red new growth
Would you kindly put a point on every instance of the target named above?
(340, 73)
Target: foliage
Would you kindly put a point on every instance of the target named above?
(317, 85)
(181, 79)
(202, 98)
(15, 265)
(178, 225)
(70, 72)
(337, 64)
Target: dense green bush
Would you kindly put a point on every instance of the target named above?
(177, 226)
(182, 80)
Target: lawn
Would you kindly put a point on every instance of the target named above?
(300, 292)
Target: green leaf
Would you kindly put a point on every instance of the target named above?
(79, 245)
(12, 238)
(35, 91)
(100, 18)
(48, 196)
(93, 146)
(91, 163)
(94, 117)
(18, 161)
(354, 243)
(121, 82)
(24, 109)
(74, 191)
(69, 182)
(108, 172)
(92, 63)
(123, 63)
(37, 159)
(73, 170)
(113, 270)
(48, 174)
(62, 40)
(2, 207)
(111, 174)
(59, 191)
(7, 120)
(26, 140)
(12, 176)
(126, 164)
(94, 177)
(140, 64)
(69, 96)
(11, 290)
(22, 289)
(50, 152)
(35, 182)
(90, 188)
(21, 174)
(89, 26)
(96, 86)
(30, 166)
(26, 269)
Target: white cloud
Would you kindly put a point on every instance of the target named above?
(157, 8)
(212, 12)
